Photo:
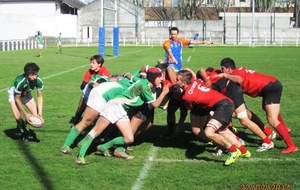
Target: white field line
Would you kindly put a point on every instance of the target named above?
(145, 170)
(151, 159)
(69, 70)
(238, 160)
(188, 59)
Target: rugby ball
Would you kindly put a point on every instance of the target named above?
(36, 121)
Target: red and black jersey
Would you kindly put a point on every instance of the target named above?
(199, 95)
(103, 71)
(253, 82)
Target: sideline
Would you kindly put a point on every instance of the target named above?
(239, 160)
(67, 71)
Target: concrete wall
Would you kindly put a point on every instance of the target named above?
(18, 24)
(264, 32)
(23, 20)
(15, 27)
(126, 20)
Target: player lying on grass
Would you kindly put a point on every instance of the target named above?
(19, 94)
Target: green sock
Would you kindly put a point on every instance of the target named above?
(74, 133)
(120, 149)
(118, 141)
(85, 144)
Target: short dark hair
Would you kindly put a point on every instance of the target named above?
(227, 63)
(186, 76)
(99, 59)
(31, 68)
(174, 28)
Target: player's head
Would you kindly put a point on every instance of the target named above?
(98, 58)
(174, 31)
(154, 76)
(176, 91)
(184, 78)
(227, 65)
(31, 70)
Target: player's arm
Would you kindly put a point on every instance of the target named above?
(171, 57)
(202, 74)
(40, 102)
(161, 97)
(234, 78)
(201, 42)
(83, 85)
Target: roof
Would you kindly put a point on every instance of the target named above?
(71, 3)
(75, 3)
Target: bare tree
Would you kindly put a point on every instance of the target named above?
(222, 5)
(188, 8)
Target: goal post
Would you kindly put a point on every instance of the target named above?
(101, 41)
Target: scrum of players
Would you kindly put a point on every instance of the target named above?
(119, 107)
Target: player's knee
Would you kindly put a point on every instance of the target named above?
(129, 139)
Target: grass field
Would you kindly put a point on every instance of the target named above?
(178, 164)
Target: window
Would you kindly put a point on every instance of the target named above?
(209, 2)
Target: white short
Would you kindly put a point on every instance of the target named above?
(114, 111)
(11, 94)
(96, 101)
(40, 46)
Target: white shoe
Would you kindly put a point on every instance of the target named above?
(265, 147)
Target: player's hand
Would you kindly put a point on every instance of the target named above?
(166, 89)
(173, 60)
(208, 83)
(27, 117)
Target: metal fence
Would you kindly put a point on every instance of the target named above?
(10, 45)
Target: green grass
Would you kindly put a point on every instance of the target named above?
(182, 163)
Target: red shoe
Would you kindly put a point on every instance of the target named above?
(289, 150)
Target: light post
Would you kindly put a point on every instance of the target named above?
(224, 26)
(253, 23)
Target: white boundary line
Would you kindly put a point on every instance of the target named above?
(66, 71)
(152, 152)
(144, 172)
(238, 160)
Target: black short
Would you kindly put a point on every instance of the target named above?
(142, 112)
(235, 93)
(26, 98)
(223, 112)
(199, 117)
(271, 94)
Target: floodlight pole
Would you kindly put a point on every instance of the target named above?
(102, 14)
(253, 22)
